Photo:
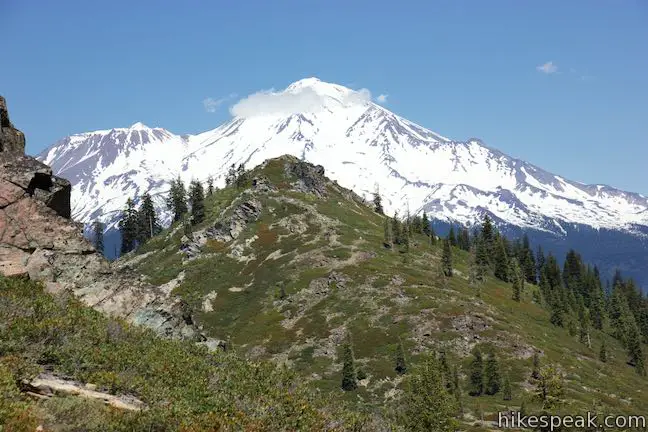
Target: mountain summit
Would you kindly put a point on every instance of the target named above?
(364, 147)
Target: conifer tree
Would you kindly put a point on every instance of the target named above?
(401, 367)
(446, 259)
(425, 223)
(148, 225)
(476, 374)
(500, 260)
(197, 202)
(230, 178)
(452, 239)
(210, 185)
(377, 201)
(492, 378)
(488, 234)
(349, 373)
(456, 384)
(507, 393)
(535, 368)
(603, 352)
(585, 324)
(427, 406)
(446, 371)
(396, 229)
(635, 352)
(388, 241)
(464, 239)
(241, 176)
(128, 227)
(177, 199)
(405, 241)
(517, 280)
(549, 387)
(98, 229)
(481, 259)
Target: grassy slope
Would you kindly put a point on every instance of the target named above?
(384, 296)
(184, 387)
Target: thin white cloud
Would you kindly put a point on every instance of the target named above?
(300, 100)
(211, 105)
(548, 68)
(382, 99)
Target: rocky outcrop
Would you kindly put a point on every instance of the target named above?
(224, 230)
(11, 139)
(310, 178)
(38, 240)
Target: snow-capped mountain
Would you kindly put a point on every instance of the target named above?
(362, 145)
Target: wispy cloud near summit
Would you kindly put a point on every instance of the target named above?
(547, 68)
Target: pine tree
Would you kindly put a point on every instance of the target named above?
(241, 176)
(177, 200)
(535, 369)
(549, 388)
(148, 225)
(635, 353)
(507, 393)
(128, 227)
(464, 239)
(481, 259)
(401, 367)
(230, 178)
(446, 258)
(488, 234)
(517, 279)
(452, 239)
(476, 374)
(427, 406)
(396, 229)
(388, 241)
(446, 371)
(197, 202)
(500, 260)
(377, 201)
(349, 374)
(210, 185)
(456, 384)
(98, 229)
(585, 324)
(425, 223)
(492, 378)
(603, 352)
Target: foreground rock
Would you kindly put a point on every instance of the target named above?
(38, 240)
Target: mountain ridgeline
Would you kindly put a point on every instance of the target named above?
(364, 147)
(286, 265)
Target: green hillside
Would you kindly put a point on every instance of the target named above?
(300, 279)
(308, 266)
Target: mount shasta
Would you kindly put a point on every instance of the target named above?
(364, 147)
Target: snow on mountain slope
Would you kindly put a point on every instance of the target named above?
(361, 145)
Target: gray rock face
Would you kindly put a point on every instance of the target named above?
(310, 178)
(11, 139)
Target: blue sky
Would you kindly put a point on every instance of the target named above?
(461, 68)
